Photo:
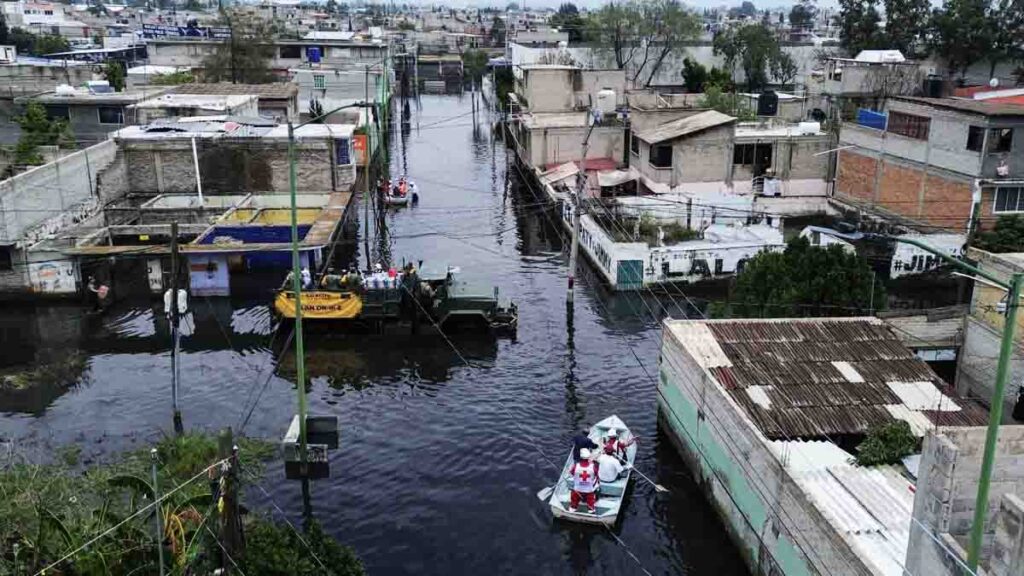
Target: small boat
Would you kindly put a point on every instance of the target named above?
(400, 194)
(610, 494)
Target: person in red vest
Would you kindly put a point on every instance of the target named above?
(584, 482)
(615, 447)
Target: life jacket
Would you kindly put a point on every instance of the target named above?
(585, 477)
(612, 446)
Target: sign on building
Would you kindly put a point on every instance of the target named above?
(908, 259)
(53, 277)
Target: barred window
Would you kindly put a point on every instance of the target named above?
(909, 125)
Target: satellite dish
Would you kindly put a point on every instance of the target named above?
(994, 83)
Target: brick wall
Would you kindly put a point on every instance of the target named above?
(899, 189)
(855, 177)
(946, 201)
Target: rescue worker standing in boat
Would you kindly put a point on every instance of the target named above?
(584, 482)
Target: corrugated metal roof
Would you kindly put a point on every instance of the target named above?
(870, 507)
(273, 91)
(809, 378)
(684, 126)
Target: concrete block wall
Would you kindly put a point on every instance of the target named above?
(947, 486)
(770, 518)
(1008, 550)
(39, 194)
(228, 167)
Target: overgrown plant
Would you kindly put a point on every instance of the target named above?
(887, 444)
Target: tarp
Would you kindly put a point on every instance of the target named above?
(320, 305)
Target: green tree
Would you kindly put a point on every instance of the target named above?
(474, 62)
(858, 22)
(276, 550)
(245, 57)
(114, 73)
(4, 31)
(568, 19)
(497, 31)
(960, 33)
(906, 24)
(38, 129)
(1006, 33)
(783, 68)
(802, 15)
(698, 78)
(726, 103)
(615, 28)
(805, 280)
(753, 47)
(1006, 236)
(640, 36)
(49, 44)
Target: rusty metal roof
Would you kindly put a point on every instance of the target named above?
(813, 378)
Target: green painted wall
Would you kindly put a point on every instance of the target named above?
(717, 463)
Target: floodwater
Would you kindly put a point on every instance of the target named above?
(444, 443)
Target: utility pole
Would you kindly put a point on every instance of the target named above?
(995, 419)
(300, 353)
(581, 183)
(230, 526)
(175, 315)
(366, 170)
(158, 517)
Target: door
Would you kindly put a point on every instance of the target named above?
(629, 275)
(762, 158)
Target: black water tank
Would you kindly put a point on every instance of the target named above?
(768, 103)
(932, 87)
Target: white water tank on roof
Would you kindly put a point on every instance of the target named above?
(805, 128)
(605, 101)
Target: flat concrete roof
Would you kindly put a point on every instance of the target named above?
(222, 102)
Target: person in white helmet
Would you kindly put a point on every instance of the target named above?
(613, 446)
(584, 482)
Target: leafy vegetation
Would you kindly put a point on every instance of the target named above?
(26, 42)
(756, 51)
(49, 510)
(887, 444)
(804, 280)
(726, 103)
(1007, 236)
(38, 129)
(245, 56)
(568, 19)
(474, 62)
(698, 78)
(641, 35)
(114, 73)
(172, 79)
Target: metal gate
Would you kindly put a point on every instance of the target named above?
(629, 275)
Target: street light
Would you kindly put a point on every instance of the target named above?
(1013, 289)
(300, 363)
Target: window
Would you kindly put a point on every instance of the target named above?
(634, 144)
(743, 154)
(342, 153)
(661, 156)
(48, 12)
(1000, 139)
(291, 52)
(58, 113)
(318, 82)
(975, 138)
(908, 125)
(1009, 199)
(111, 114)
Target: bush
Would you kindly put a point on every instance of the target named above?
(1007, 236)
(887, 444)
(272, 550)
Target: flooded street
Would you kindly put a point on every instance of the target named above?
(444, 443)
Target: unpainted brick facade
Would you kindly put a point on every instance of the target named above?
(935, 198)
